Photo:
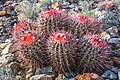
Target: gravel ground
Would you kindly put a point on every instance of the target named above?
(13, 11)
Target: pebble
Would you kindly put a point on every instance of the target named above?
(8, 9)
(88, 76)
(114, 70)
(56, 6)
(41, 77)
(1, 7)
(61, 77)
(3, 13)
(7, 3)
(113, 31)
(4, 59)
(119, 75)
(114, 40)
(109, 75)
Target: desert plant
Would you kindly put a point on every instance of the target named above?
(31, 46)
(61, 50)
(62, 41)
(53, 20)
(93, 51)
(84, 24)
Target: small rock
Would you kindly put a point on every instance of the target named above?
(61, 77)
(113, 31)
(4, 59)
(109, 75)
(6, 49)
(105, 35)
(56, 6)
(39, 4)
(8, 3)
(72, 79)
(88, 76)
(3, 13)
(46, 70)
(41, 77)
(107, 79)
(8, 9)
(114, 70)
(3, 45)
(119, 75)
(114, 40)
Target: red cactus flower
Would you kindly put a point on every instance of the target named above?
(85, 19)
(97, 41)
(20, 26)
(60, 37)
(28, 38)
(82, 18)
(52, 12)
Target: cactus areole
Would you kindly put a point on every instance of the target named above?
(60, 37)
(28, 38)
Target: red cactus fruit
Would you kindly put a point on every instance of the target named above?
(61, 46)
(53, 20)
(84, 25)
(93, 53)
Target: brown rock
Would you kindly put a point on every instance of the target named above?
(8, 9)
(12, 48)
(88, 76)
(9, 2)
(56, 5)
(61, 77)
(3, 13)
(116, 61)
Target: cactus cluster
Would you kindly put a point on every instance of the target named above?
(64, 42)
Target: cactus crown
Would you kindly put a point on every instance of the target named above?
(60, 37)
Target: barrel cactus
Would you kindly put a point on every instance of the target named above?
(94, 57)
(53, 20)
(61, 50)
(30, 43)
(84, 24)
